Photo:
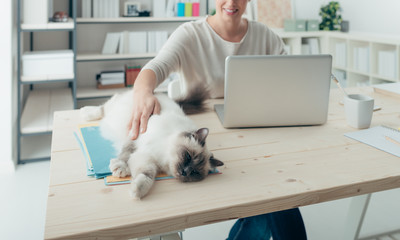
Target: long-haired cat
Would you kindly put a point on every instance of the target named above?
(172, 143)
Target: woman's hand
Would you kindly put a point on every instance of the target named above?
(145, 104)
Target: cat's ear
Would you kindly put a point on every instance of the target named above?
(215, 162)
(201, 135)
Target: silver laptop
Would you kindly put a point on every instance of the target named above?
(284, 90)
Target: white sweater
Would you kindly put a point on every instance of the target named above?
(198, 53)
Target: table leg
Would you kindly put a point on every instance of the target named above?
(355, 217)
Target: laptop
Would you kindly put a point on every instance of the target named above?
(271, 90)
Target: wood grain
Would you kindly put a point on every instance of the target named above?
(266, 170)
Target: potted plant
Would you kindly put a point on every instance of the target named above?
(331, 16)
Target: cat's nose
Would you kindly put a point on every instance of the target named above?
(183, 173)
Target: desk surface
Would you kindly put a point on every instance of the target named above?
(266, 169)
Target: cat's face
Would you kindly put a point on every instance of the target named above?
(193, 160)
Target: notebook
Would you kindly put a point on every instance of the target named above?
(381, 137)
(270, 90)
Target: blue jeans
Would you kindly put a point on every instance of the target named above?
(282, 225)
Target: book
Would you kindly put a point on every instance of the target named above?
(137, 42)
(110, 81)
(123, 46)
(381, 137)
(112, 74)
(109, 86)
(131, 73)
(111, 43)
(86, 8)
(387, 64)
(390, 89)
(170, 8)
(159, 8)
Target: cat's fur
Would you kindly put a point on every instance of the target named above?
(172, 143)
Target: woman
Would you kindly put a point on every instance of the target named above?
(197, 50)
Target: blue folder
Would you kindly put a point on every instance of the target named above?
(97, 150)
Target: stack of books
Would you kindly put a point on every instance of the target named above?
(110, 79)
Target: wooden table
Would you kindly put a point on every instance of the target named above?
(266, 170)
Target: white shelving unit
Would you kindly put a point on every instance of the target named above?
(135, 20)
(343, 48)
(82, 57)
(49, 26)
(40, 96)
(39, 108)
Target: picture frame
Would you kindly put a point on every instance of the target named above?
(131, 9)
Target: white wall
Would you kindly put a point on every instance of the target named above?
(6, 75)
(364, 15)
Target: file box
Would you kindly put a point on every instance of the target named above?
(43, 63)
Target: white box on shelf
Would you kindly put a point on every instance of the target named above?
(45, 63)
(35, 11)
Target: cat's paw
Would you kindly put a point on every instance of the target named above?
(140, 186)
(91, 113)
(119, 168)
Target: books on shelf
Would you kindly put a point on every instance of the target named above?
(134, 42)
(131, 73)
(101, 8)
(361, 59)
(159, 8)
(86, 8)
(137, 42)
(310, 46)
(111, 43)
(155, 40)
(340, 54)
(387, 64)
(110, 79)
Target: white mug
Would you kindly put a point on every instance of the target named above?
(359, 109)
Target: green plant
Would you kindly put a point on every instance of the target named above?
(331, 16)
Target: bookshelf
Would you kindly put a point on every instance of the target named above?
(42, 92)
(91, 33)
(359, 59)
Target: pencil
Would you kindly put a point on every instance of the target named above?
(392, 140)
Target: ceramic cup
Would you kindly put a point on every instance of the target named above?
(359, 109)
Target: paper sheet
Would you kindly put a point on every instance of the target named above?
(381, 137)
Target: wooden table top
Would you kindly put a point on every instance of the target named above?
(266, 169)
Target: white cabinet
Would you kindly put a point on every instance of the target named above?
(358, 58)
(46, 78)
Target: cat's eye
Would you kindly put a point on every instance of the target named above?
(187, 156)
(194, 172)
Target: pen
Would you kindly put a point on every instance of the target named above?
(338, 83)
(392, 140)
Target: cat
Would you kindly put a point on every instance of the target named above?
(172, 143)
